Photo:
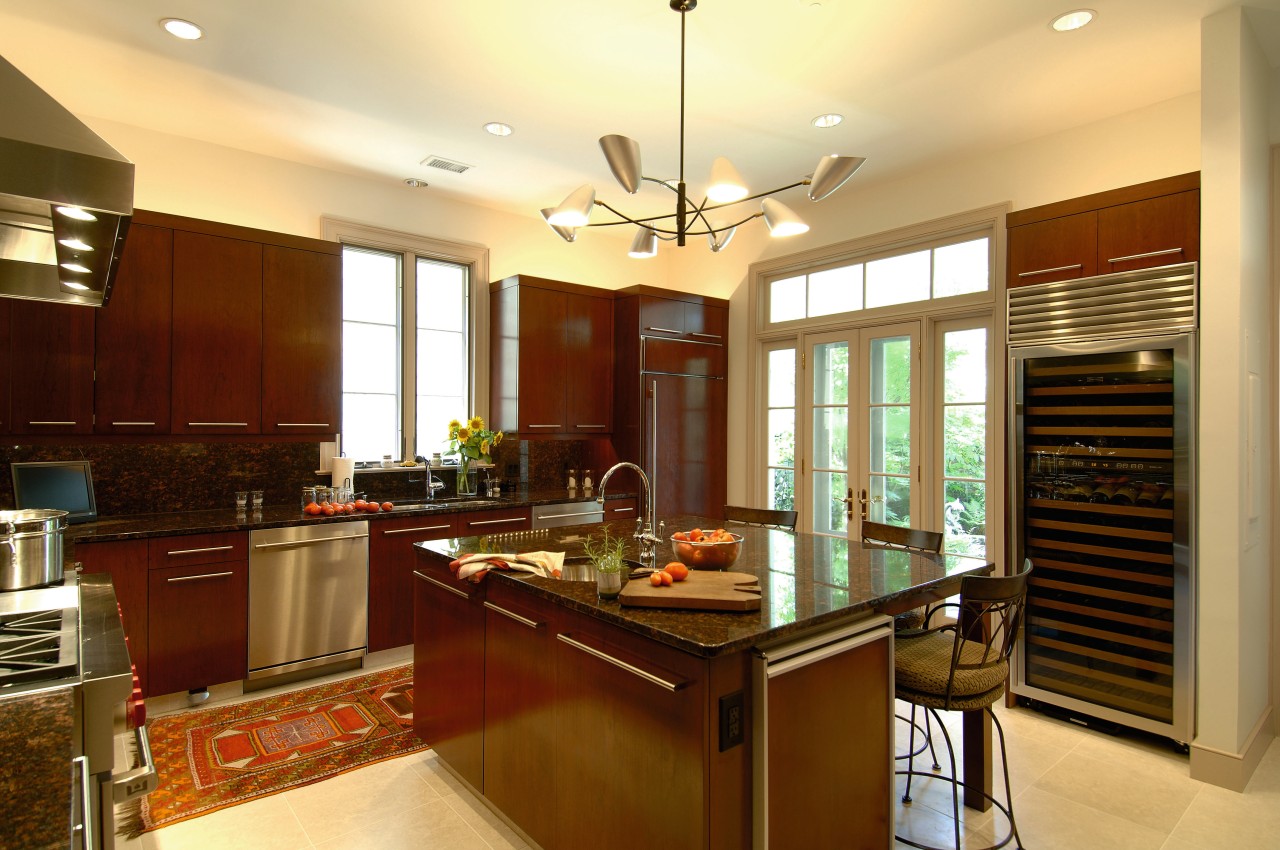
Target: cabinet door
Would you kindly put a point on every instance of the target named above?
(629, 726)
(706, 323)
(391, 565)
(448, 669)
(1062, 248)
(588, 375)
(682, 357)
(301, 342)
(519, 710)
(542, 370)
(133, 339)
(197, 632)
(126, 562)
(1154, 232)
(51, 358)
(217, 335)
(687, 454)
(661, 316)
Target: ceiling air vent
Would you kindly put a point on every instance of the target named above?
(453, 165)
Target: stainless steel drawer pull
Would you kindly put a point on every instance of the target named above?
(309, 542)
(583, 514)
(664, 330)
(198, 551)
(442, 585)
(533, 624)
(1163, 253)
(498, 521)
(590, 426)
(419, 528)
(51, 423)
(617, 662)
(708, 336)
(1049, 271)
(218, 424)
(302, 425)
(201, 576)
(544, 426)
(133, 423)
(621, 510)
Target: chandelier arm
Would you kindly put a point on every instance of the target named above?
(804, 182)
(626, 219)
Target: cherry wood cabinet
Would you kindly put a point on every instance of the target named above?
(301, 342)
(448, 669)
(217, 334)
(675, 318)
(494, 521)
(1143, 226)
(133, 340)
(197, 623)
(621, 509)
(51, 368)
(391, 566)
(551, 357)
(126, 562)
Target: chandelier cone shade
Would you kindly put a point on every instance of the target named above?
(725, 190)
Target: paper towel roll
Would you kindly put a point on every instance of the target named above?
(344, 468)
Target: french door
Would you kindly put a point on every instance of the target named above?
(859, 433)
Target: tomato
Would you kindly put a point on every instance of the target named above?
(677, 570)
(387, 506)
(679, 535)
(361, 503)
(666, 578)
(312, 508)
(655, 579)
(327, 509)
(351, 507)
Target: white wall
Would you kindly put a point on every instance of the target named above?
(1236, 339)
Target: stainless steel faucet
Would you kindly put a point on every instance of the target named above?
(648, 531)
(433, 483)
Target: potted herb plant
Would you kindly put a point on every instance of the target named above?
(606, 553)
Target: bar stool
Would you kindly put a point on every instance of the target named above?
(763, 517)
(963, 666)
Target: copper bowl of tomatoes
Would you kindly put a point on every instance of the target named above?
(706, 550)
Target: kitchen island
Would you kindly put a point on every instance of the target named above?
(586, 723)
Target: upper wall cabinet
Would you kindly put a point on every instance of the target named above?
(1143, 226)
(676, 319)
(132, 360)
(551, 357)
(51, 363)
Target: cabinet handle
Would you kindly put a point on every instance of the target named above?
(590, 426)
(621, 510)
(664, 330)
(310, 542)
(302, 425)
(583, 514)
(497, 521)
(544, 426)
(617, 662)
(219, 424)
(708, 336)
(51, 423)
(1163, 253)
(1048, 271)
(133, 423)
(419, 528)
(442, 585)
(198, 551)
(201, 576)
(533, 624)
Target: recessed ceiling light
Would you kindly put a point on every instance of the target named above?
(497, 128)
(831, 119)
(1073, 20)
(184, 30)
(75, 267)
(75, 244)
(415, 183)
(71, 284)
(76, 213)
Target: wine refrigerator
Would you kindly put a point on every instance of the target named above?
(1102, 469)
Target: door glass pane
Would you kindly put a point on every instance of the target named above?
(835, 290)
(782, 437)
(782, 377)
(965, 366)
(786, 299)
(890, 499)
(891, 370)
(890, 435)
(964, 440)
(965, 517)
(828, 510)
(831, 438)
(898, 280)
(960, 268)
(782, 493)
(831, 373)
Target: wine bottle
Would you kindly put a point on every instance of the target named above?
(1166, 498)
(1078, 491)
(1149, 495)
(1103, 492)
(1125, 494)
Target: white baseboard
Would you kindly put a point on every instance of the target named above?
(1233, 770)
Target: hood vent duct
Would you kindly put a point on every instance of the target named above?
(66, 198)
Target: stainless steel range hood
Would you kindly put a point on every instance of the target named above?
(66, 198)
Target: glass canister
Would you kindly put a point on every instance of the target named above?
(308, 496)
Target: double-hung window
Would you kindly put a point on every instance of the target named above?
(411, 307)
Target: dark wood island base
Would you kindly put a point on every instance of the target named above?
(586, 724)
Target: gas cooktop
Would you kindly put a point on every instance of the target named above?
(39, 636)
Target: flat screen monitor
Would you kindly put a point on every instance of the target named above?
(64, 485)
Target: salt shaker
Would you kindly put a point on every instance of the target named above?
(573, 479)
(586, 479)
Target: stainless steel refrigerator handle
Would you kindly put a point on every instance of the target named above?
(86, 808)
(619, 663)
(653, 445)
(142, 779)
(310, 542)
(524, 621)
(441, 585)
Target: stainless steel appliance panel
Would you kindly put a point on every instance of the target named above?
(308, 595)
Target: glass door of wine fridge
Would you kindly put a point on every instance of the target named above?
(1103, 464)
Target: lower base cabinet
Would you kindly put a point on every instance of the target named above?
(198, 632)
(391, 566)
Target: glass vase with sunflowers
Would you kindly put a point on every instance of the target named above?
(472, 443)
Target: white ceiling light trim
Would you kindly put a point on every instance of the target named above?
(829, 119)
(497, 128)
(1073, 20)
(185, 30)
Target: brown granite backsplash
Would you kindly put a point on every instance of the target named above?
(153, 478)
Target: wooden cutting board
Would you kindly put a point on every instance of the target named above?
(704, 590)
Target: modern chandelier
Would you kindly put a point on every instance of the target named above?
(726, 189)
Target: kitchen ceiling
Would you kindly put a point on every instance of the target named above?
(375, 87)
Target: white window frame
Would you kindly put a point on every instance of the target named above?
(412, 246)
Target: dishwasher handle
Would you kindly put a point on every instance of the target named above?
(310, 541)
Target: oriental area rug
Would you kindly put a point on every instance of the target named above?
(219, 757)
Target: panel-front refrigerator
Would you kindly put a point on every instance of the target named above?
(1102, 469)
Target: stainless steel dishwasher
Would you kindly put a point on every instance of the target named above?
(308, 599)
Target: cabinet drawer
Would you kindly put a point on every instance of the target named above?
(494, 522)
(163, 552)
(411, 529)
(678, 357)
(620, 509)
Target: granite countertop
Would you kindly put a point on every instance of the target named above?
(277, 516)
(35, 745)
(806, 580)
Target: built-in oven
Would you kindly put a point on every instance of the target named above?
(67, 639)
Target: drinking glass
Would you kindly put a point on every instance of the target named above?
(242, 499)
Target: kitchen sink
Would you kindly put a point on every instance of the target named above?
(453, 502)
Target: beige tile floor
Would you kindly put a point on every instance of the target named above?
(1073, 788)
